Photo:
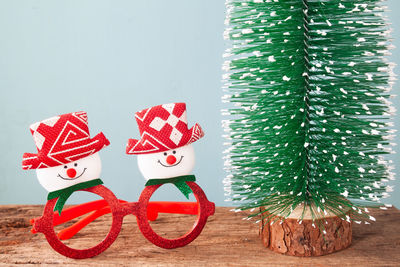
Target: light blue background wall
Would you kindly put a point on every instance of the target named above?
(112, 58)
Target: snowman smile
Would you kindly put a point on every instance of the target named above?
(171, 165)
(65, 178)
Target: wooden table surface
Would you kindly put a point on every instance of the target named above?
(226, 240)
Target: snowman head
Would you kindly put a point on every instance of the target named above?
(171, 163)
(66, 175)
(165, 146)
(67, 154)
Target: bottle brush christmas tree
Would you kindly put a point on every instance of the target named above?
(308, 113)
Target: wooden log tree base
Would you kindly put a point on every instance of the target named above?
(226, 240)
(289, 237)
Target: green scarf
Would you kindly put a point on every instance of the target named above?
(179, 182)
(64, 194)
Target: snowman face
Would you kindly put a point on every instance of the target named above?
(167, 164)
(59, 177)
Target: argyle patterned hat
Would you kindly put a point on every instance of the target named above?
(62, 139)
(162, 128)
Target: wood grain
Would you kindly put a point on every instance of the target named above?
(304, 239)
(226, 240)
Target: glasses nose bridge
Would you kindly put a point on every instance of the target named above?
(129, 208)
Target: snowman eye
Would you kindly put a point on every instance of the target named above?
(174, 152)
(75, 164)
(165, 153)
(65, 167)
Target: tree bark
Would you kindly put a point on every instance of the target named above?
(290, 237)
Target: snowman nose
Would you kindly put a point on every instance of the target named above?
(171, 159)
(71, 173)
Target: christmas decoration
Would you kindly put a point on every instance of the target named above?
(309, 117)
(68, 161)
(163, 128)
(67, 158)
(61, 140)
(165, 151)
(166, 155)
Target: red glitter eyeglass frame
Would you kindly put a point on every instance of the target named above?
(143, 210)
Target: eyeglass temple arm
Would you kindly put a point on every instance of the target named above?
(156, 207)
(76, 211)
(153, 208)
(152, 213)
(70, 231)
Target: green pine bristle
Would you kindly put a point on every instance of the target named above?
(308, 86)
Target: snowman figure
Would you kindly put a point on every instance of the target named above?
(165, 151)
(67, 158)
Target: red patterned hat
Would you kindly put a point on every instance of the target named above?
(62, 139)
(163, 128)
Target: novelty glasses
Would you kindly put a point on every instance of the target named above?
(144, 210)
